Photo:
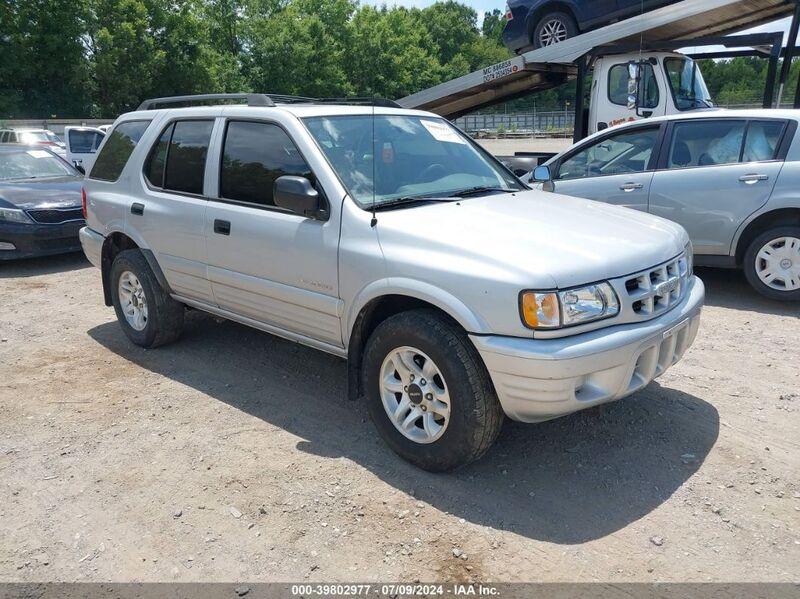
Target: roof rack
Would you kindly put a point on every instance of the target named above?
(252, 99)
(266, 100)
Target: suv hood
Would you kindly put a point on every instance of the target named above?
(540, 240)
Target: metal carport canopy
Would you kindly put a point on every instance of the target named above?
(549, 67)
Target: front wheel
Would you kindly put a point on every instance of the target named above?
(553, 28)
(772, 263)
(428, 391)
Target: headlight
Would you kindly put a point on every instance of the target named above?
(556, 309)
(14, 215)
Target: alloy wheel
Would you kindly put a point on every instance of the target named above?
(133, 300)
(553, 32)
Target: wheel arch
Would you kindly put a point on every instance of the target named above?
(118, 242)
(377, 303)
(761, 223)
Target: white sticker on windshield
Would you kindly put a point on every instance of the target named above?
(38, 153)
(443, 132)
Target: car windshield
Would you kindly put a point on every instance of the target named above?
(416, 157)
(31, 164)
(687, 84)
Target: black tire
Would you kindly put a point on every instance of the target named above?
(751, 261)
(165, 315)
(561, 19)
(475, 413)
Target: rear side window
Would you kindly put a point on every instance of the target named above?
(254, 155)
(762, 141)
(706, 143)
(117, 149)
(177, 161)
(84, 142)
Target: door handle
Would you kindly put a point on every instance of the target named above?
(753, 178)
(222, 227)
(629, 187)
(137, 208)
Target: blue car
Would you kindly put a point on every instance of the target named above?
(540, 23)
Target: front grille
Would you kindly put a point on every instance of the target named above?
(54, 216)
(656, 290)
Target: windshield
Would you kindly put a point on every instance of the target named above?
(416, 156)
(687, 84)
(32, 164)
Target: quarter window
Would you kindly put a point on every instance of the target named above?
(116, 151)
(706, 143)
(618, 86)
(625, 152)
(762, 141)
(254, 156)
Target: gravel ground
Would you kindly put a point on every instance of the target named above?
(235, 455)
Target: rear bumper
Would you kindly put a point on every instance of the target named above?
(541, 379)
(31, 240)
(92, 243)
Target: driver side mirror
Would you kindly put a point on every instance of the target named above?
(298, 195)
(541, 174)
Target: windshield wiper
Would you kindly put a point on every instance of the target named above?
(471, 191)
(410, 201)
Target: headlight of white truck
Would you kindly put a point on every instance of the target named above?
(14, 215)
(557, 309)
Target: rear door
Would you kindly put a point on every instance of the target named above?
(616, 168)
(81, 145)
(266, 263)
(714, 173)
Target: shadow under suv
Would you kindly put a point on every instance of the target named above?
(540, 23)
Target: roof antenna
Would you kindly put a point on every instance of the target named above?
(374, 220)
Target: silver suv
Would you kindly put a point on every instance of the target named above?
(729, 177)
(387, 237)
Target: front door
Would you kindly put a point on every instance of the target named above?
(265, 263)
(714, 174)
(616, 169)
(82, 144)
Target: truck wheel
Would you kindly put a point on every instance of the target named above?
(428, 391)
(147, 314)
(553, 28)
(772, 263)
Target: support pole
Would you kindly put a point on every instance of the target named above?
(791, 45)
(579, 130)
(772, 71)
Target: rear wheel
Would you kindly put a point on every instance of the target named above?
(553, 28)
(772, 263)
(428, 391)
(146, 312)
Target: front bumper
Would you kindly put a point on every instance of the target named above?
(30, 240)
(92, 243)
(541, 379)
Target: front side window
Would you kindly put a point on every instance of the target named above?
(254, 155)
(706, 143)
(32, 164)
(116, 151)
(84, 142)
(618, 86)
(625, 152)
(762, 141)
(383, 158)
(687, 84)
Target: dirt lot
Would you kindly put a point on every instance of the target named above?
(235, 455)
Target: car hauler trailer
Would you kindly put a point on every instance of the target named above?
(683, 24)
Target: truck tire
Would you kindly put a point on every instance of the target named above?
(428, 391)
(146, 312)
(552, 28)
(772, 263)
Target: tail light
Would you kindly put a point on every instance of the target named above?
(83, 202)
(509, 14)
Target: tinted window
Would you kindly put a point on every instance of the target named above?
(706, 143)
(763, 138)
(254, 155)
(117, 149)
(618, 86)
(626, 152)
(186, 156)
(84, 142)
(154, 168)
